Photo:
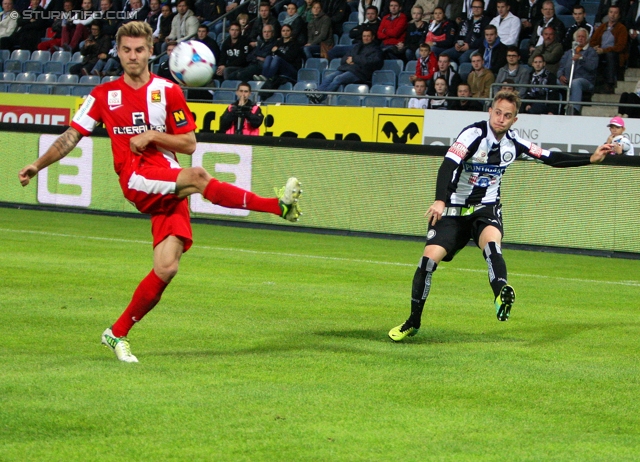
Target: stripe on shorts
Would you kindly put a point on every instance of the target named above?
(140, 183)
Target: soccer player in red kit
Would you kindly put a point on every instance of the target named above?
(148, 121)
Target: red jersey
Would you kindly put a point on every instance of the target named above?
(126, 112)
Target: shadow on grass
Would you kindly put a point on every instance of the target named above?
(425, 336)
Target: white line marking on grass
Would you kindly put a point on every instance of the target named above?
(319, 257)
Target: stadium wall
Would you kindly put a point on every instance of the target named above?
(349, 186)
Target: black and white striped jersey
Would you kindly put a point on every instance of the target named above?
(480, 161)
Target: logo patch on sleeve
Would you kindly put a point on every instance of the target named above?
(535, 151)
(156, 96)
(458, 149)
(179, 118)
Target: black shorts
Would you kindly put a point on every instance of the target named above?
(453, 232)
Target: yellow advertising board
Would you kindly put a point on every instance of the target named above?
(398, 126)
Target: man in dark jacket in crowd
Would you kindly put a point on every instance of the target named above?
(243, 117)
(95, 47)
(233, 55)
(356, 67)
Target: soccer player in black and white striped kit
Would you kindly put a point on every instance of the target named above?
(467, 204)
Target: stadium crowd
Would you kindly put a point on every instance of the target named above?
(443, 43)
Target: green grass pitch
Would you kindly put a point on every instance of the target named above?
(272, 346)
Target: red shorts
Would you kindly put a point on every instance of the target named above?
(152, 190)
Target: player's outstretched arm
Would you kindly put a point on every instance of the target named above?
(62, 146)
(184, 143)
(602, 152)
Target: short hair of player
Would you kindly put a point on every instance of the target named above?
(135, 29)
(508, 95)
(426, 46)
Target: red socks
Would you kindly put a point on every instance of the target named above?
(145, 297)
(232, 197)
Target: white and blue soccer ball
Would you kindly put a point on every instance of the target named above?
(192, 63)
(622, 141)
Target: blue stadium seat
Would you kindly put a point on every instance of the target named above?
(61, 56)
(40, 89)
(41, 55)
(80, 91)
(406, 90)
(395, 65)
(76, 57)
(286, 86)
(32, 66)
(282, 16)
(21, 55)
(4, 55)
(402, 102)
(357, 88)
(334, 64)
(90, 79)
(222, 96)
(403, 78)
(19, 88)
(384, 78)
(347, 26)
(353, 16)
(230, 84)
(345, 40)
(348, 100)
(109, 78)
(276, 98)
(53, 67)
(382, 90)
(411, 65)
(8, 76)
(47, 78)
(316, 63)
(375, 101)
(64, 90)
(68, 79)
(296, 98)
(464, 71)
(309, 75)
(301, 86)
(567, 20)
(13, 65)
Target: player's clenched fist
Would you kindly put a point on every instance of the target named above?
(26, 174)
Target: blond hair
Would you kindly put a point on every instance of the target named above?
(508, 95)
(135, 29)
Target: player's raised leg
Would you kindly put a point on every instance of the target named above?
(198, 180)
(420, 288)
(504, 295)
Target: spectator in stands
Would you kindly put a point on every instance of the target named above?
(442, 33)
(207, 11)
(32, 28)
(529, 13)
(584, 59)
(363, 5)
(480, 78)
(245, 27)
(57, 26)
(514, 71)
(95, 47)
(392, 31)
(319, 33)
(549, 19)
(163, 28)
(453, 10)
(603, 10)
(338, 11)
(492, 50)
(416, 33)
(243, 117)
(109, 66)
(203, 37)
(616, 129)
(356, 67)
(610, 42)
(579, 17)
(426, 64)
(163, 69)
(543, 78)
(420, 101)
(257, 56)
(446, 71)
(550, 50)
(285, 58)
(464, 91)
(297, 25)
(264, 18)
(507, 24)
(371, 23)
(138, 12)
(77, 30)
(630, 98)
(184, 24)
(110, 18)
(234, 52)
(154, 14)
(427, 7)
(306, 11)
(471, 34)
(632, 23)
(441, 91)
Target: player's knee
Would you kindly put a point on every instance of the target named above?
(199, 176)
(167, 272)
(492, 248)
